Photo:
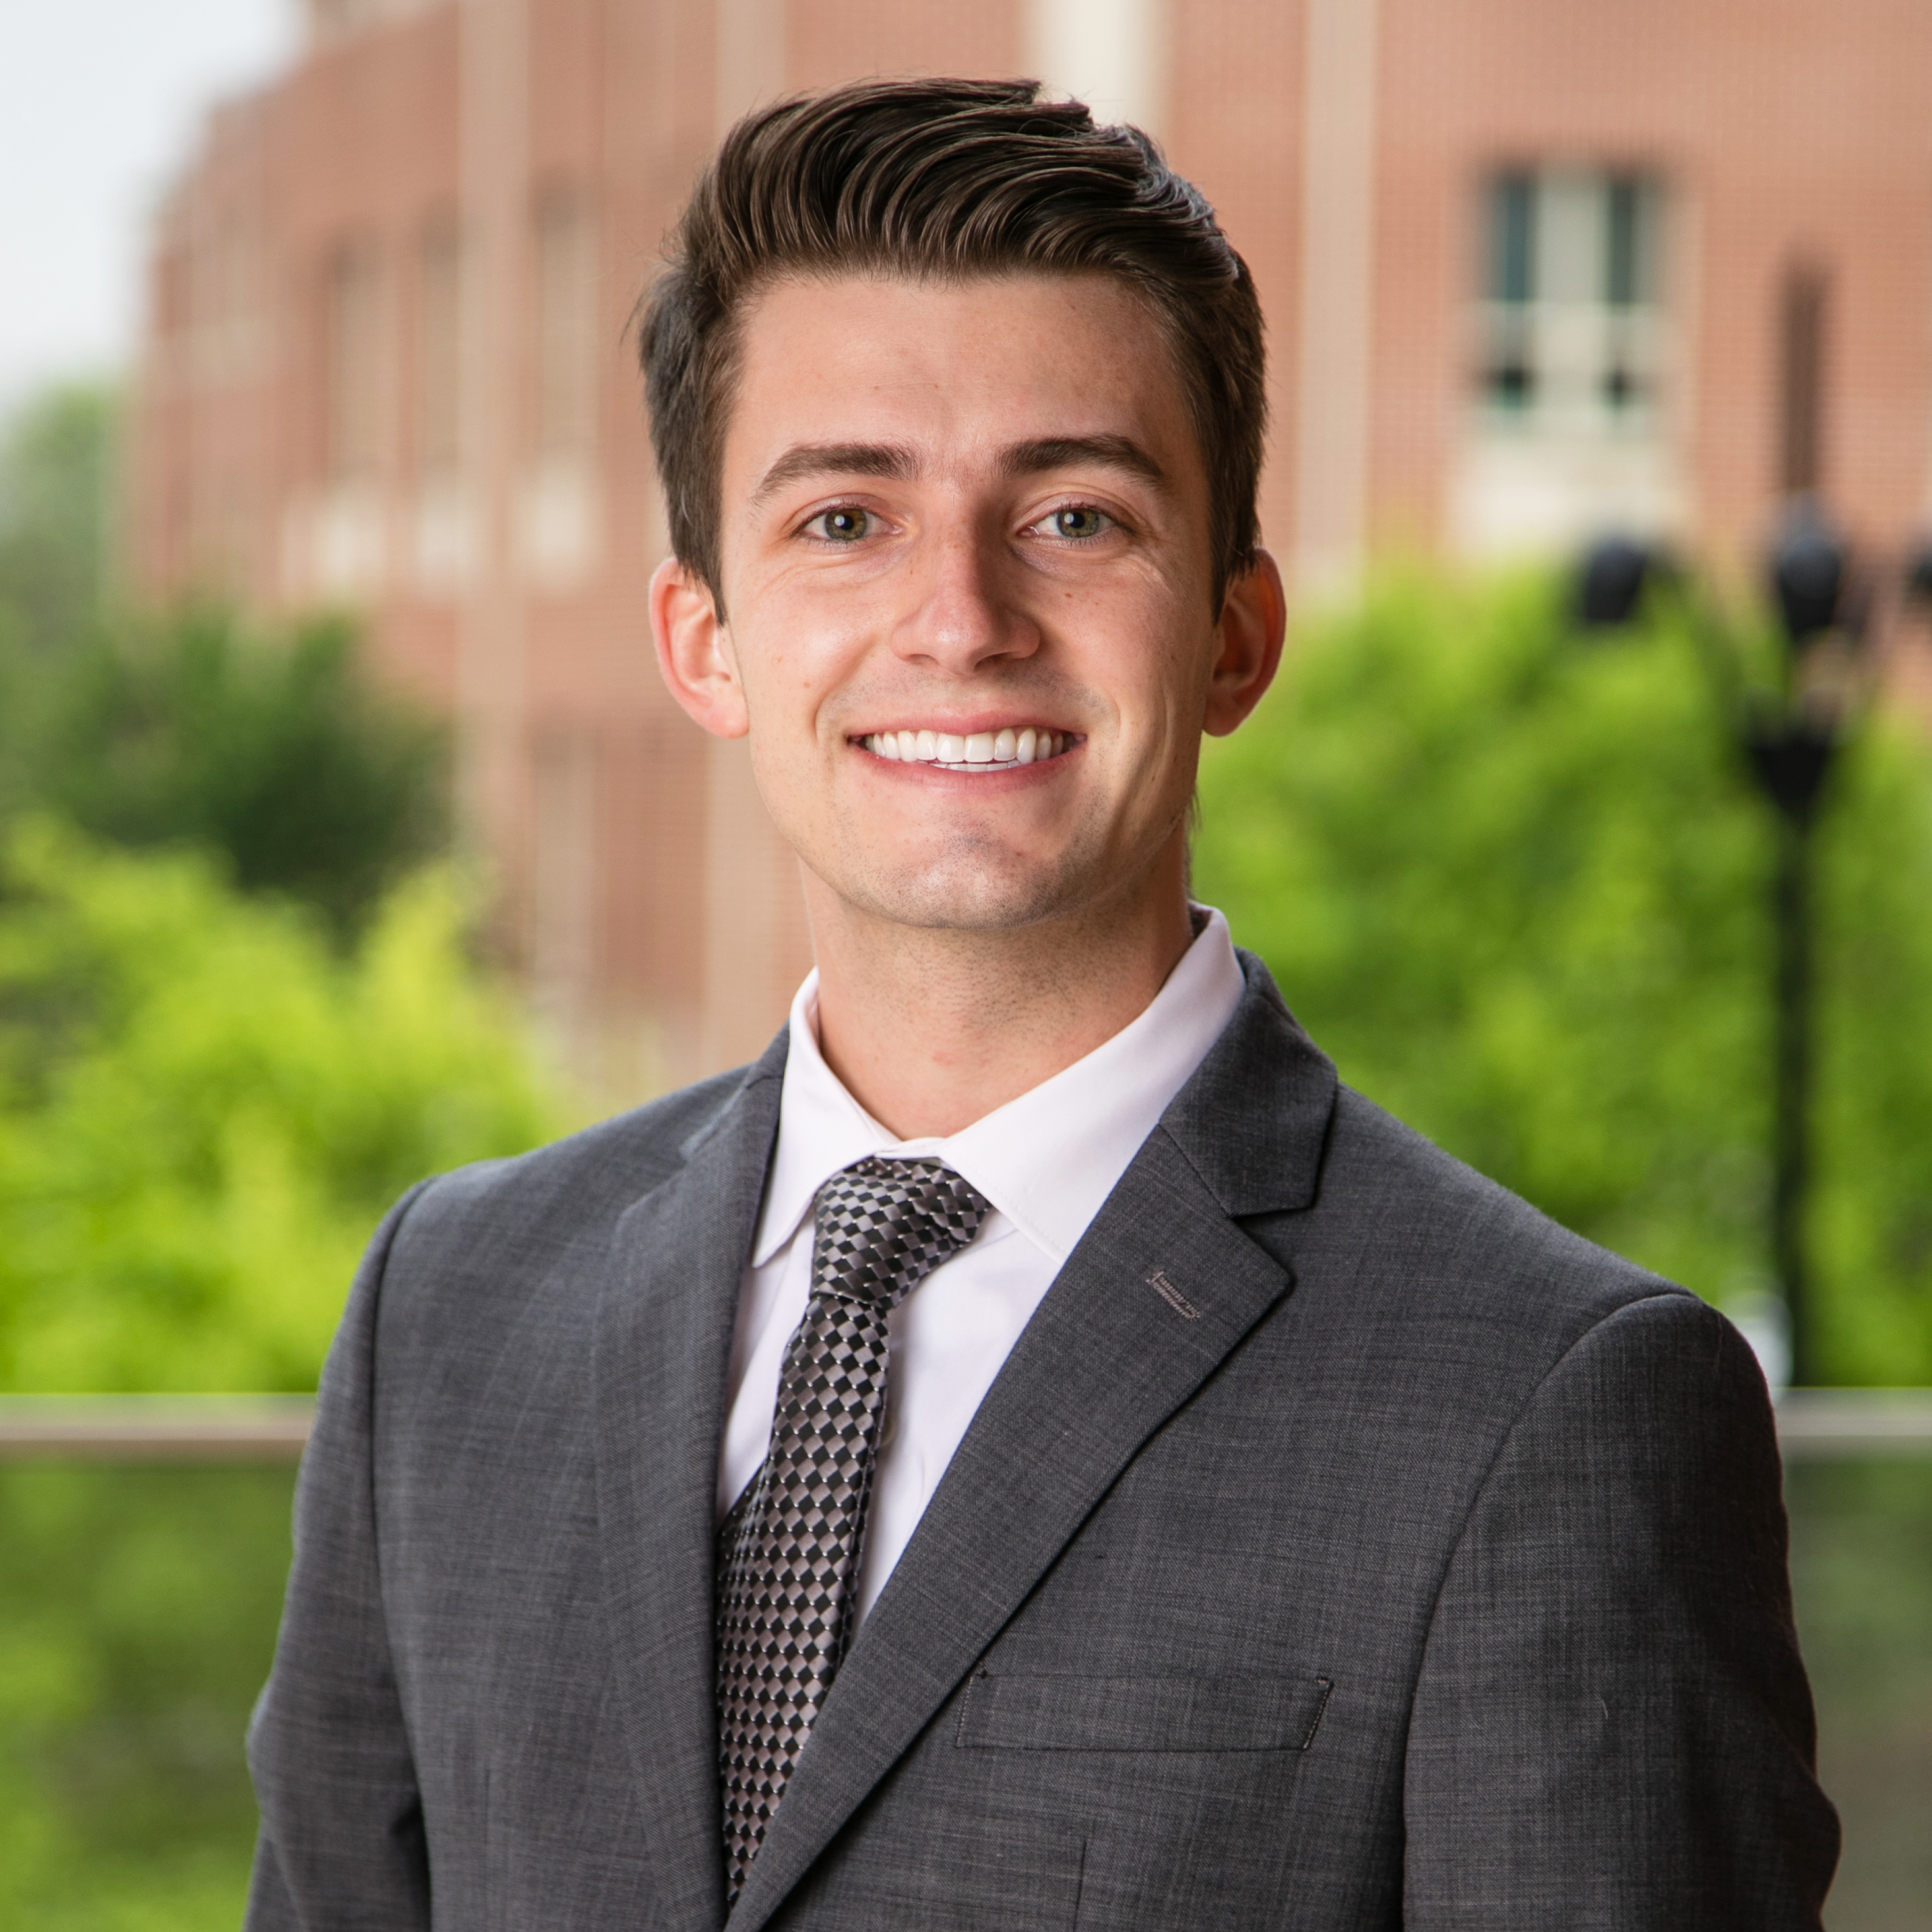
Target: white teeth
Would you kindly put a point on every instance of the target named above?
(998, 751)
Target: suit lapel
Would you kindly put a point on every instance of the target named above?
(664, 1336)
(1160, 1289)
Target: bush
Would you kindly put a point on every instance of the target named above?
(1515, 881)
(205, 1107)
(271, 751)
(189, 727)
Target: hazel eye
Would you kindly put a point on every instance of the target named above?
(842, 525)
(1079, 522)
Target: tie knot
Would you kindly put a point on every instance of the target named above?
(882, 1226)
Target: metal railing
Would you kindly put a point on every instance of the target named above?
(1812, 1424)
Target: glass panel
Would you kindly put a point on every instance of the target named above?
(138, 1609)
(1570, 224)
(1512, 266)
(1623, 281)
(1509, 378)
(1861, 1579)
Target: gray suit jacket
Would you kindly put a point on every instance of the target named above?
(1342, 1545)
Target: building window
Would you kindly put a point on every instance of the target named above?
(565, 330)
(1569, 318)
(560, 520)
(347, 555)
(356, 382)
(440, 352)
(444, 526)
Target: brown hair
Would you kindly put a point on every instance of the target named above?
(946, 179)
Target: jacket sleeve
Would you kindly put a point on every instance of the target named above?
(341, 1842)
(1612, 1727)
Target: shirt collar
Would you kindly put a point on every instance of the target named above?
(1047, 1160)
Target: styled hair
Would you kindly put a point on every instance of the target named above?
(948, 181)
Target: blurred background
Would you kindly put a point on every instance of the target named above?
(346, 834)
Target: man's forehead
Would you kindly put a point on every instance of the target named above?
(1013, 290)
(877, 376)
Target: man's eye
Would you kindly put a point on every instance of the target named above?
(842, 525)
(1078, 522)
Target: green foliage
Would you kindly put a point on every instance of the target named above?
(57, 463)
(271, 751)
(205, 1107)
(1515, 880)
(268, 748)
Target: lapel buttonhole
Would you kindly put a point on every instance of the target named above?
(1173, 1297)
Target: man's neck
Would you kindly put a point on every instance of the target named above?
(932, 1029)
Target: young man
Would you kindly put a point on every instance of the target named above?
(1032, 1450)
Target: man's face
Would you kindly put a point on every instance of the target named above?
(968, 585)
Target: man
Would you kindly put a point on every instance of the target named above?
(1032, 1450)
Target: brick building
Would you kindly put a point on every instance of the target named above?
(1531, 267)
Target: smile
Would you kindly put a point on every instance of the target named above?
(975, 752)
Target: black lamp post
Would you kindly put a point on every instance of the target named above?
(1790, 747)
(1788, 735)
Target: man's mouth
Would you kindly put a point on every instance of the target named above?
(1001, 750)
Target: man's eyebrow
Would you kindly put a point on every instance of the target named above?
(1060, 452)
(836, 459)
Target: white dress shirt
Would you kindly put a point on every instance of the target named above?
(1046, 1162)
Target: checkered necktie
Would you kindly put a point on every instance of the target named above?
(788, 1552)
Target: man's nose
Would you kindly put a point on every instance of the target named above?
(964, 614)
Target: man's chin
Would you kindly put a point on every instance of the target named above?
(977, 898)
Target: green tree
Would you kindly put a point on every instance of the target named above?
(1514, 880)
(274, 751)
(57, 461)
(205, 1107)
(58, 465)
(268, 746)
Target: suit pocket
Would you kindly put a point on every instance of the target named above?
(1072, 1713)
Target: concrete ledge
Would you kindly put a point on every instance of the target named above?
(155, 1428)
(1811, 1423)
(1820, 1422)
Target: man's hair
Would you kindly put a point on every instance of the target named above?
(946, 180)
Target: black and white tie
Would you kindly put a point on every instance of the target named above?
(788, 1552)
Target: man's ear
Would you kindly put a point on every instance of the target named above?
(695, 652)
(1254, 620)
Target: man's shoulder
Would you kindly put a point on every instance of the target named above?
(1423, 1207)
(569, 1194)
(1383, 1231)
(1409, 1253)
(1431, 1312)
